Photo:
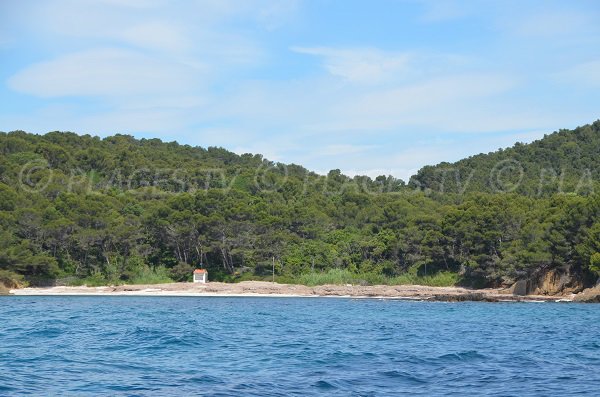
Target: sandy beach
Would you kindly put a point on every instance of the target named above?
(267, 289)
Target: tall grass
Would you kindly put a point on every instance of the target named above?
(148, 275)
(143, 275)
(341, 276)
(440, 279)
(160, 275)
(94, 280)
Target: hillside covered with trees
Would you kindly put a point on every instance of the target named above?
(566, 161)
(123, 210)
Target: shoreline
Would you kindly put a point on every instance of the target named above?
(275, 290)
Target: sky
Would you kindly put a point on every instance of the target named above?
(368, 87)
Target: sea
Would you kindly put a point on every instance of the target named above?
(255, 346)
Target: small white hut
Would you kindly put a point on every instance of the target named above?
(200, 276)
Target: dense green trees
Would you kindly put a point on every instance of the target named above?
(564, 162)
(119, 209)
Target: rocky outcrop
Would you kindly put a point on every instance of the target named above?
(553, 282)
(521, 288)
(557, 282)
(468, 297)
(590, 295)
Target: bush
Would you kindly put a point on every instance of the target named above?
(440, 279)
(342, 276)
(182, 272)
(9, 280)
(148, 275)
(94, 280)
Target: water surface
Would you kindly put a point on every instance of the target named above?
(165, 346)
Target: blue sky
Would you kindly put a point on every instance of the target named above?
(369, 87)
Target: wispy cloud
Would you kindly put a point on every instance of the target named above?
(420, 103)
(105, 72)
(585, 73)
(344, 149)
(366, 88)
(157, 35)
(276, 14)
(553, 23)
(443, 10)
(363, 65)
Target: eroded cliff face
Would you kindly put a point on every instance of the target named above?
(560, 281)
(557, 282)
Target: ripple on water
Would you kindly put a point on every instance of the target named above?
(404, 376)
(470, 355)
(324, 385)
(279, 347)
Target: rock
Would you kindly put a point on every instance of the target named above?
(520, 288)
(590, 295)
(506, 282)
(472, 297)
(555, 282)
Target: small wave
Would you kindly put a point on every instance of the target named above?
(592, 345)
(352, 355)
(171, 340)
(170, 348)
(45, 333)
(470, 355)
(324, 385)
(401, 375)
(143, 332)
(205, 379)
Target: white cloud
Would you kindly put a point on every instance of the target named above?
(157, 35)
(443, 10)
(193, 71)
(276, 14)
(586, 73)
(444, 103)
(105, 72)
(552, 23)
(344, 149)
(434, 103)
(194, 30)
(431, 94)
(359, 65)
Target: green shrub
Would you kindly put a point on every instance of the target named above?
(94, 280)
(440, 279)
(182, 272)
(143, 274)
(342, 276)
(10, 280)
(148, 275)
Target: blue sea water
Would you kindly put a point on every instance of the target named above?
(162, 346)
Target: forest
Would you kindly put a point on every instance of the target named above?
(125, 210)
